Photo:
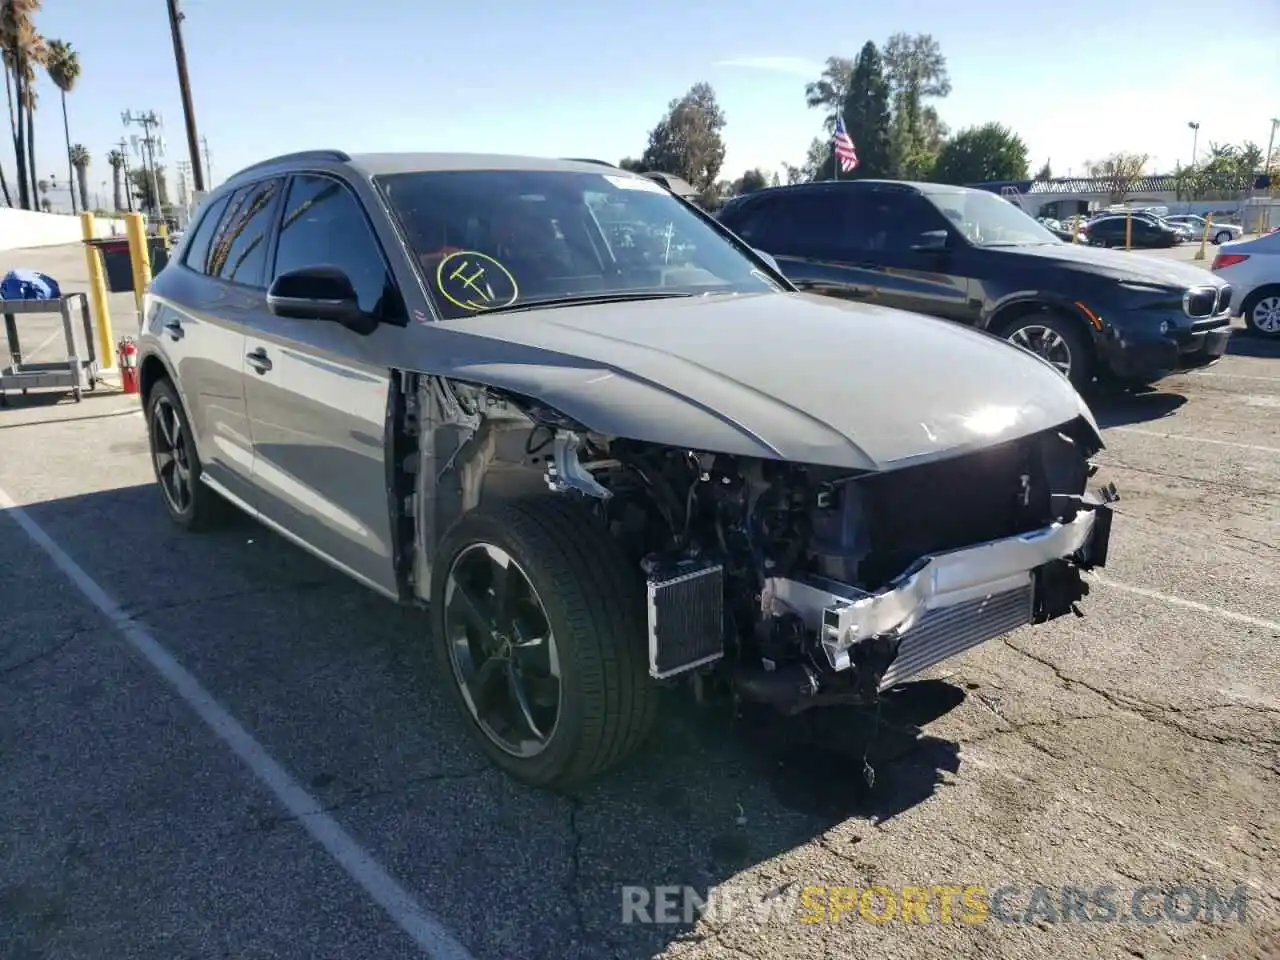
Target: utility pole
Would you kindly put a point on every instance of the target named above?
(128, 184)
(147, 151)
(1195, 140)
(1271, 143)
(184, 84)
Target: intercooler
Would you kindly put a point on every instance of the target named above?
(946, 631)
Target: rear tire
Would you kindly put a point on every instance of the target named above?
(1261, 310)
(592, 604)
(1051, 335)
(190, 503)
(1221, 238)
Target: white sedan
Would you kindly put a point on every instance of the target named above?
(1219, 233)
(1252, 267)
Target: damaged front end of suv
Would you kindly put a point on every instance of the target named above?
(815, 585)
(795, 585)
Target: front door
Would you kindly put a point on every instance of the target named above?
(316, 392)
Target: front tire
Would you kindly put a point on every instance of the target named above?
(190, 503)
(538, 629)
(1261, 311)
(1057, 339)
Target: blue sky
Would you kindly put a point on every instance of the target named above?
(1077, 81)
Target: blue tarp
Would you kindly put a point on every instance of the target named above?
(29, 285)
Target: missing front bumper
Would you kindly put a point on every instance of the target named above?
(953, 601)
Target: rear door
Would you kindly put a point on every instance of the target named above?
(317, 391)
(200, 324)
(804, 230)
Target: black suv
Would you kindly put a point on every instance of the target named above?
(969, 256)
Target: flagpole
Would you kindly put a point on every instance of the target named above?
(835, 160)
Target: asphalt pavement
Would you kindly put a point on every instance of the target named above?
(214, 746)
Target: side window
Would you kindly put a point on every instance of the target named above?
(239, 252)
(754, 223)
(324, 224)
(813, 226)
(905, 217)
(197, 255)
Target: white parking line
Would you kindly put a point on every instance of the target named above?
(410, 916)
(1177, 436)
(1219, 612)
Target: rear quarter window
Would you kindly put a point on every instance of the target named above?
(197, 253)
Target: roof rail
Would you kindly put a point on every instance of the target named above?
(603, 163)
(337, 156)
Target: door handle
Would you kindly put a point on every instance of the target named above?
(174, 327)
(259, 360)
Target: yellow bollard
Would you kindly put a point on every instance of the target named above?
(139, 255)
(1128, 231)
(1204, 237)
(164, 235)
(105, 348)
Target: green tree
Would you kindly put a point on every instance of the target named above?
(22, 49)
(750, 182)
(1045, 172)
(80, 161)
(63, 67)
(687, 141)
(830, 91)
(977, 154)
(116, 160)
(818, 153)
(867, 118)
(632, 164)
(140, 180)
(916, 72)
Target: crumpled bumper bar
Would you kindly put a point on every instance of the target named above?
(944, 604)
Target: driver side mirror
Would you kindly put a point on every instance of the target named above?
(316, 293)
(931, 241)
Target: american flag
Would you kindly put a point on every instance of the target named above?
(845, 151)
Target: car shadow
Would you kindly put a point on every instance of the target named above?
(332, 677)
(1115, 405)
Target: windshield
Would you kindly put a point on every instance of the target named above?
(507, 239)
(989, 221)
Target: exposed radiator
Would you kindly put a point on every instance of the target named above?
(947, 631)
(686, 618)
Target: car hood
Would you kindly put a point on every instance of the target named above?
(788, 376)
(1117, 264)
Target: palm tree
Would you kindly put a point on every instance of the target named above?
(80, 161)
(21, 50)
(116, 159)
(63, 67)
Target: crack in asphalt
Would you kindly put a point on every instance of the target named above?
(134, 611)
(1157, 712)
(360, 794)
(572, 892)
(1164, 526)
(1244, 488)
(47, 653)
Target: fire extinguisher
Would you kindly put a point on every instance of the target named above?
(127, 360)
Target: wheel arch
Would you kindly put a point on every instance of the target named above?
(1006, 314)
(151, 370)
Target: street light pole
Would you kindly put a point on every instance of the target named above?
(1195, 140)
(1271, 142)
(184, 84)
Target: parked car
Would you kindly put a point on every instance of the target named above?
(1253, 269)
(604, 468)
(1146, 232)
(1219, 233)
(963, 255)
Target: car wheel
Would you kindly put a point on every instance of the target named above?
(1059, 341)
(1222, 237)
(1262, 312)
(538, 626)
(190, 503)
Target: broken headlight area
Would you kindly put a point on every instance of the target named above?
(805, 585)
